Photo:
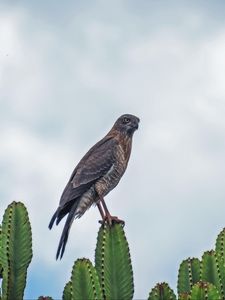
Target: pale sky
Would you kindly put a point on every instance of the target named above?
(67, 71)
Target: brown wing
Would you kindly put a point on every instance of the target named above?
(95, 164)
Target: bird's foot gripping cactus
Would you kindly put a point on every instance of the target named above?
(111, 220)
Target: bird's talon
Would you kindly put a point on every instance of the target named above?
(111, 220)
(97, 173)
(117, 220)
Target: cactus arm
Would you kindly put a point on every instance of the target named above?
(113, 263)
(220, 246)
(67, 292)
(213, 271)
(204, 290)
(209, 268)
(162, 291)
(16, 250)
(84, 281)
(189, 274)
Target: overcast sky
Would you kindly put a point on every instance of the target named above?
(67, 71)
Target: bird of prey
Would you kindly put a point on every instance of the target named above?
(98, 172)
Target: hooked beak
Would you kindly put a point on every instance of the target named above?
(137, 124)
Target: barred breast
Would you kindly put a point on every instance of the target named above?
(101, 188)
(109, 181)
(86, 201)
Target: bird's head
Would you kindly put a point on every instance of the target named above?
(127, 124)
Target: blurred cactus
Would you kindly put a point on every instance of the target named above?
(67, 292)
(197, 279)
(204, 279)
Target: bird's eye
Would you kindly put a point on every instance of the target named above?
(126, 120)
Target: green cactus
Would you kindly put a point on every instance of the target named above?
(204, 291)
(220, 246)
(220, 255)
(113, 263)
(67, 292)
(204, 279)
(112, 276)
(162, 291)
(188, 275)
(84, 281)
(213, 271)
(1, 268)
(15, 250)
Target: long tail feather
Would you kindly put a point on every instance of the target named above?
(66, 229)
(53, 219)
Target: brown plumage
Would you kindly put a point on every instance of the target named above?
(98, 172)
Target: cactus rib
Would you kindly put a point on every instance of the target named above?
(162, 291)
(189, 274)
(84, 281)
(113, 263)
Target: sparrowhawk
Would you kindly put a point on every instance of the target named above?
(98, 172)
